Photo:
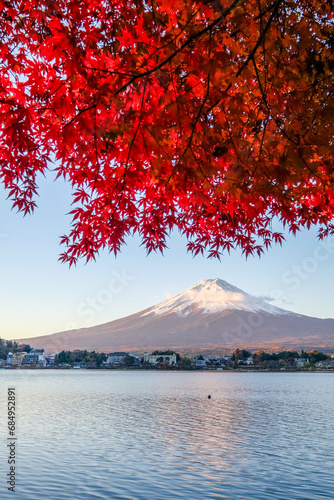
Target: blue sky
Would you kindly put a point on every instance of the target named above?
(39, 295)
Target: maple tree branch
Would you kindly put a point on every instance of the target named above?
(155, 17)
(158, 49)
(260, 39)
(314, 174)
(263, 135)
(202, 106)
(198, 116)
(216, 5)
(283, 130)
(265, 67)
(264, 12)
(113, 30)
(264, 96)
(178, 107)
(162, 149)
(142, 161)
(231, 138)
(108, 71)
(60, 86)
(183, 46)
(78, 114)
(201, 169)
(251, 54)
(129, 153)
(147, 152)
(96, 153)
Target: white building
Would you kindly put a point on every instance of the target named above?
(301, 362)
(116, 357)
(154, 359)
(42, 360)
(10, 358)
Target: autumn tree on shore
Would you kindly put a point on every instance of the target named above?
(212, 117)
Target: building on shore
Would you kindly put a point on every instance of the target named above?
(116, 358)
(34, 357)
(154, 359)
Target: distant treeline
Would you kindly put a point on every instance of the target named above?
(70, 357)
(239, 357)
(313, 356)
(7, 346)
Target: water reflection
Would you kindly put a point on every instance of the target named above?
(144, 435)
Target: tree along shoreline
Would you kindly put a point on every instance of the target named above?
(12, 355)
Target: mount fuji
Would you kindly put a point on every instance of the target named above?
(211, 316)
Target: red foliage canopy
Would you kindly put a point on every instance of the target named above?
(209, 116)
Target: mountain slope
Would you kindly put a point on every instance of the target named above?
(210, 316)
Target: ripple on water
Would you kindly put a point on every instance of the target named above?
(150, 435)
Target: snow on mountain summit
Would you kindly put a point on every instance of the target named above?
(213, 296)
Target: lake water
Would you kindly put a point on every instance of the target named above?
(156, 435)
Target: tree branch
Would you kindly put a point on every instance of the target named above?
(183, 46)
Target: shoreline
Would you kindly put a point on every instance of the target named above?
(161, 370)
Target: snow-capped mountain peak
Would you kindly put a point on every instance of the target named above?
(213, 296)
(211, 316)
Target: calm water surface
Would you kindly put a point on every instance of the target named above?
(156, 435)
